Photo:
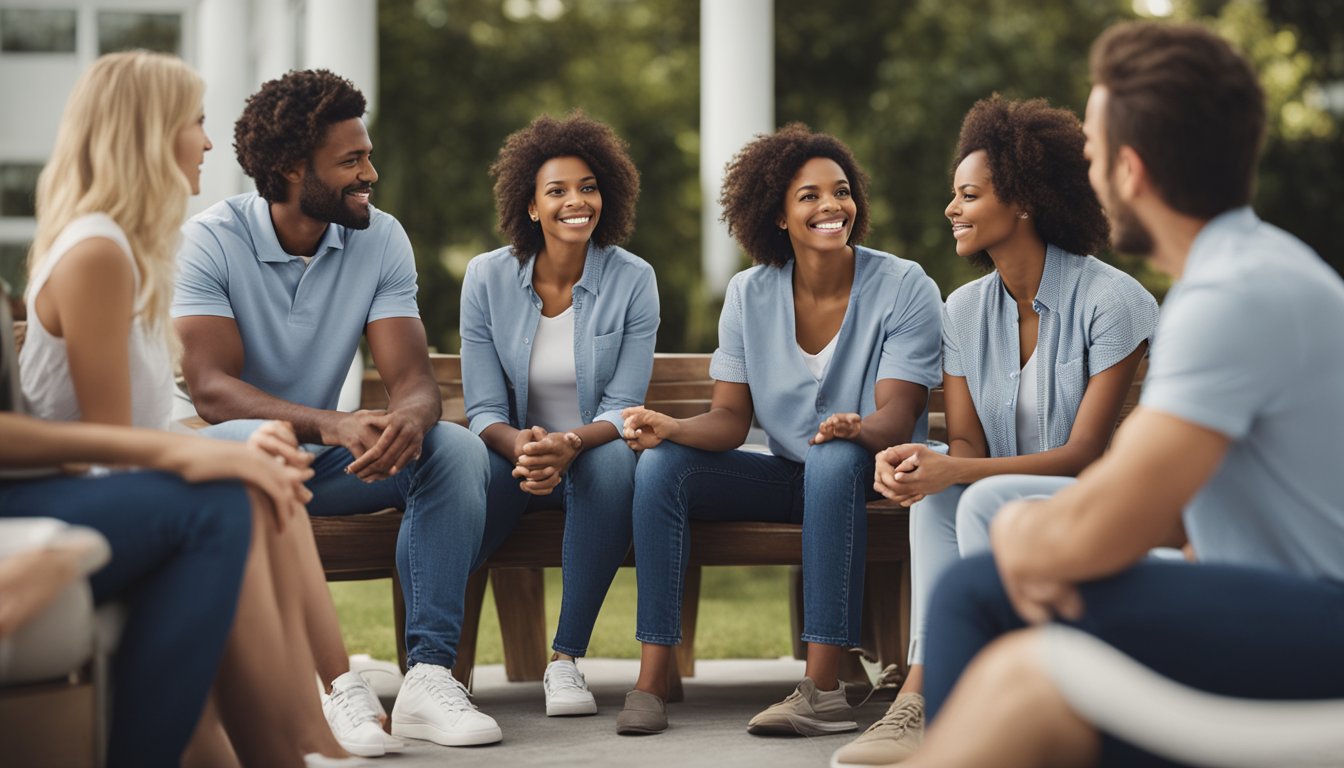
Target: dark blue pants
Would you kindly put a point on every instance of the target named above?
(1228, 630)
(177, 562)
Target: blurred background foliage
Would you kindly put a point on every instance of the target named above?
(893, 80)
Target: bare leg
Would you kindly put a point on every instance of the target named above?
(655, 663)
(1006, 712)
(297, 567)
(823, 665)
(265, 683)
(209, 746)
(914, 679)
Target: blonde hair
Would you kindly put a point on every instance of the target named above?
(115, 154)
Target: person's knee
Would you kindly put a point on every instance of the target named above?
(667, 460)
(451, 445)
(841, 456)
(977, 508)
(222, 512)
(613, 462)
(971, 582)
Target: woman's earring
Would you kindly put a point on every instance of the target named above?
(1022, 215)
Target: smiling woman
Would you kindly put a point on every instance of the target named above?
(557, 338)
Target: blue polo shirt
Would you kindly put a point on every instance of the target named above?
(1250, 346)
(892, 330)
(300, 325)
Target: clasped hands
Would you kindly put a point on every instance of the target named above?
(541, 458)
(907, 473)
(382, 442)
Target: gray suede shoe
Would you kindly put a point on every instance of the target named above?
(644, 713)
(806, 712)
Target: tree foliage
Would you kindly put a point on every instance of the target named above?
(893, 80)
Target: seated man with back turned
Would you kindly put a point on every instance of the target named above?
(275, 290)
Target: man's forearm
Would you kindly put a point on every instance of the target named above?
(225, 398)
(420, 402)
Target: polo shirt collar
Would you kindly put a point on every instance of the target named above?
(594, 262)
(267, 243)
(1052, 277)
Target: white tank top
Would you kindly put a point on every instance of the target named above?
(44, 368)
(1028, 430)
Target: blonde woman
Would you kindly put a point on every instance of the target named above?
(99, 349)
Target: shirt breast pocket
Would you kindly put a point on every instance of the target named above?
(1070, 382)
(606, 351)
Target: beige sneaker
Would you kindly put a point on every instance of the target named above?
(806, 712)
(888, 741)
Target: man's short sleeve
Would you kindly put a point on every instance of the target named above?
(397, 279)
(1218, 361)
(202, 275)
(729, 362)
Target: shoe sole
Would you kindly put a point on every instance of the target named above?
(638, 730)
(797, 726)
(569, 709)
(427, 732)
(363, 750)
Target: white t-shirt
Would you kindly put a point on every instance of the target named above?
(1028, 423)
(44, 367)
(818, 363)
(552, 384)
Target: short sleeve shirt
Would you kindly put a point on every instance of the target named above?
(300, 324)
(1250, 346)
(1092, 316)
(891, 330)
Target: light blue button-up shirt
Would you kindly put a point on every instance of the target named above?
(615, 325)
(1092, 316)
(891, 330)
(1250, 346)
(300, 325)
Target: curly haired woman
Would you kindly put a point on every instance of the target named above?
(557, 338)
(1037, 358)
(833, 348)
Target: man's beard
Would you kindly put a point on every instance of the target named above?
(321, 202)
(1128, 234)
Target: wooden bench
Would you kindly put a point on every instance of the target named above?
(364, 546)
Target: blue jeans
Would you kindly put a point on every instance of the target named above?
(1224, 629)
(826, 493)
(177, 562)
(442, 495)
(595, 493)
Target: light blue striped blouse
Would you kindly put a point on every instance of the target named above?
(1092, 316)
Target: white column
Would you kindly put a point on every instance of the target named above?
(737, 101)
(342, 36)
(275, 28)
(224, 59)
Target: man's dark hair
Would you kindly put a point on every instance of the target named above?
(1189, 105)
(577, 135)
(758, 179)
(285, 121)
(1035, 158)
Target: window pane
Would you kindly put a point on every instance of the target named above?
(18, 185)
(151, 31)
(30, 31)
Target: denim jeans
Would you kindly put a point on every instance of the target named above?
(442, 495)
(595, 493)
(1224, 629)
(826, 493)
(177, 563)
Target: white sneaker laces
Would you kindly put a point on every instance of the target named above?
(561, 676)
(353, 706)
(446, 690)
(899, 718)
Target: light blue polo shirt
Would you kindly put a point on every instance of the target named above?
(300, 325)
(892, 330)
(1251, 345)
(1092, 316)
(615, 325)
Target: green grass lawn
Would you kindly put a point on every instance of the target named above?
(744, 613)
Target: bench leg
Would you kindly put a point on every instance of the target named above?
(471, 624)
(796, 611)
(520, 600)
(886, 590)
(399, 619)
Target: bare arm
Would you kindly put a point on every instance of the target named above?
(212, 360)
(89, 301)
(723, 428)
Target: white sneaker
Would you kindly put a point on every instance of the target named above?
(435, 707)
(566, 691)
(353, 712)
